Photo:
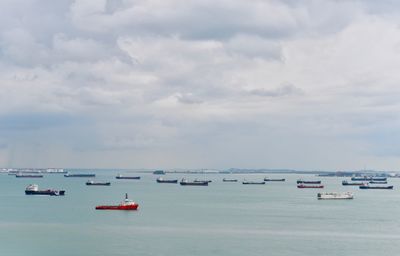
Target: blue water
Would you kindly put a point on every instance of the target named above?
(221, 219)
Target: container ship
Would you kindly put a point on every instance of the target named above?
(126, 205)
(335, 196)
(33, 189)
(122, 177)
(162, 180)
(97, 183)
(185, 182)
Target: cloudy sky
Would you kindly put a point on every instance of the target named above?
(200, 84)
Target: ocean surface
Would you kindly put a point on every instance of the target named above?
(221, 219)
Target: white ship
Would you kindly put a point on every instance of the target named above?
(335, 195)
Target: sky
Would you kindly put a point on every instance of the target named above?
(302, 84)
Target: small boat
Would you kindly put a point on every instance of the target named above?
(126, 205)
(335, 195)
(121, 177)
(253, 182)
(79, 175)
(229, 180)
(26, 175)
(375, 187)
(33, 189)
(377, 182)
(346, 183)
(309, 186)
(308, 182)
(267, 179)
(161, 180)
(97, 183)
(185, 182)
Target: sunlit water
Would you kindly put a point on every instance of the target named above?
(221, 219)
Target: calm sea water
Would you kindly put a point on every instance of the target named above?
(221, 219)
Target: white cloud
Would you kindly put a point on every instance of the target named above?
(254, 83)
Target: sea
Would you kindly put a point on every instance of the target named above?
(224, 218)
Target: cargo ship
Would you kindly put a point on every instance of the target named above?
(229, 180)
(309, 186)
(335, 195)
(33, 189)
(267, 179)
(378, 182)
(308, 182)
(97, 183)
(346, 183)
(79, 175)
(365, 178)
(122, 177)
(376, 187)
(185, 182)
(253, 182)
(161, 180)
(197, 180)
(379, 178)
(126, 205)
(30, 175)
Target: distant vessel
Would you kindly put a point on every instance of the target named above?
(159, 172)
(26, 175)
(375, 187)
(335, 195)
(378, 182)
(253, 182)
(267, 179)
(126, 205)
(229, 180)
(185, 182)
(309, 186)
(379, 178)
(79, 175)
(308, 182)
(197, 180)
(161, 180)
(121, 177)
(33, 189)
(369, 178)
(97, 183)
(346, 183)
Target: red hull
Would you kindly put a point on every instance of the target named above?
(118, 207)
(303, 186)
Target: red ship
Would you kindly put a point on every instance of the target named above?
(127, 205)
(310, 186)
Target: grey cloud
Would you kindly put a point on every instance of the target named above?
(188, 98)
(283, 90)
